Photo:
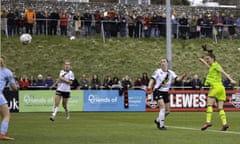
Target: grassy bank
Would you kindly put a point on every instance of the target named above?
(118, 56)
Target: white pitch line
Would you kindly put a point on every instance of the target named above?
(194, 129)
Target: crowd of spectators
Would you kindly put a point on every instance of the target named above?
(117, 20)
(95, 83)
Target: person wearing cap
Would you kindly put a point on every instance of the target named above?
(66, 78)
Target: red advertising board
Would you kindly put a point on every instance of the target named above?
(195, 100)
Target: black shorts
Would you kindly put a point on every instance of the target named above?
(157, 95)
(63, 94)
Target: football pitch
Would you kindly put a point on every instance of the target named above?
(120, 128)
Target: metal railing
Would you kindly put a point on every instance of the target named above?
(45, 26)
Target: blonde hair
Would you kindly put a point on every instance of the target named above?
(2, 63)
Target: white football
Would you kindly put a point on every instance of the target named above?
(72, 38)
(238, 49)
(26, 38)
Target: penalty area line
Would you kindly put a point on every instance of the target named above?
(209, 130)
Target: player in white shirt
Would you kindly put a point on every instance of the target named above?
(160, 84)
(63, 83)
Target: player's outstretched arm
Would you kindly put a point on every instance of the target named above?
(227, 76)
(204, 62)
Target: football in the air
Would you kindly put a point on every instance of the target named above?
(72, 38)
(26, 38)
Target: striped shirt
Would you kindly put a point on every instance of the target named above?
(163, 80)
(63, 86)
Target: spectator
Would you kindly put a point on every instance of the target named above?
(183, 26)
(54, 17)
(154, 27)
(147, 26)
(39, 22)
(163, 24)
(209, 25)
(107, 83)
(40, 83)
(227, 84)
(145, 79)
(193, 27)
(23, 83)
(196, 83)
(15, 76)
(200, 26)
(77, 24)
(84, 83)
(11, 22)
(123, 25)
(174, 25)
(87, 17)
(231, 25)
(138, 25)
(187, 82)
(30, 16)
(138, 83)
(20, 23)
(106, 25)
(126, 82)
(114, 22)
(95, 82)
(219, 21)
(63, 23)
(75, 84)
(93, 25)
(32, 81)
(98, 19)
(131, 24)
(116, 83)
(49, 81)
(46, 22)
(3, 20)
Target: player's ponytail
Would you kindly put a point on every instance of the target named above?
(204, 47)
(209, 52)
(2, 63)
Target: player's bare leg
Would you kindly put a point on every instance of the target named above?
(65, 106)
(5, 122)
(55, 107)
(167, 111)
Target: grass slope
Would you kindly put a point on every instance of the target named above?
(118, 56)
(119, 128)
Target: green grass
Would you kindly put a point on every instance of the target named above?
(118, 56)
(120, 128)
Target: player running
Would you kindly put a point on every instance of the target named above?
(217, 91)
(5, 76)
(63, 83)
(160, 82)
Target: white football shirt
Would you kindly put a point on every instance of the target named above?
(63, 86)
(163, 80)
